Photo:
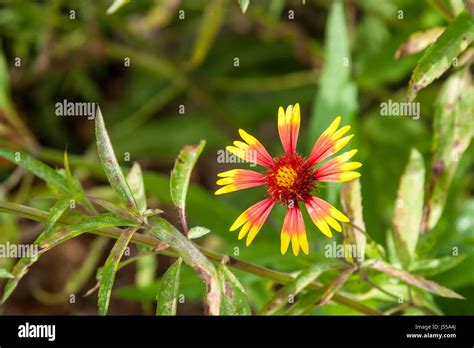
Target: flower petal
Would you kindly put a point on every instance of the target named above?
(289, 126)
(330, 142)
(252, 219)
(294, 230)
(238, 179)
(324, 215)
(251, 151)
(337, 170)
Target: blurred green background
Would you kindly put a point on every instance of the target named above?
(167, 73)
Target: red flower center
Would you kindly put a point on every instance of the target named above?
(290, 179)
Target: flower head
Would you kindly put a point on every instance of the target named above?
(290, 180)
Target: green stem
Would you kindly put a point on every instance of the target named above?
(138, 238)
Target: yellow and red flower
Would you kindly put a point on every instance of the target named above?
(290, 179)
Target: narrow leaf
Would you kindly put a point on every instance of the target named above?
(439, 57)
(181, 173)
(36, 167)
(116, 5)
(197, 231)
(244, 4)
(414, 280)
(290, 290)
(5, 274)
(191, 255)
(234, 300)
(352, 203)
(167, 297)
(135, 182)
(337, 284)
(453, 130)
(431, 267)
(56, 212)
(111, 167)
(418, 41)
(409, 208)
(335, 76)
(110, 268)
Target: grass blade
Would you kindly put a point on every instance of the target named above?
(110, 164)
(167, 297)
(110, 268)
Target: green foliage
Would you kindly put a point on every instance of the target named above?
(167, 297)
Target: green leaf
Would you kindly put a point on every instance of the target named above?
(244, 4)
(352, 203)
(167, 297)
(89, 224)
(135, 182)
(418, 41)
(210, 25)
(290, 290)
(116, 5)
(197, 231)
(191, 255)
(57, 211)
(336, 285)
(335, 76)
(75, 186)
(439, 57)
(453, 120)
(431, 267)
(409, 208)
(234, 300)
(414, 280)
(5, 274)
(110, 268)
(181, 173)
(36, 167)
(111, 166)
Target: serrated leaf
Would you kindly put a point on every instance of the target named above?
(234, 300)
(414, 280)
(418, 41)
(352, 203)
(167, 297)
(453, 130)
(110, 164)
(109, 269)
(197, 231)
(191, 255)
(409, 208)
(439, 57)
(290, 290)
(244, 4)
(181, 173)
(36, 167)
(5, 274)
